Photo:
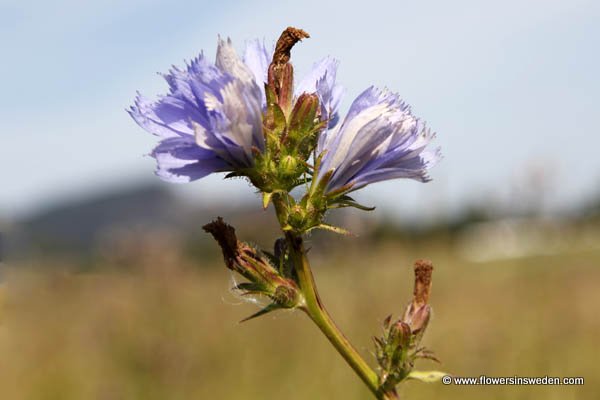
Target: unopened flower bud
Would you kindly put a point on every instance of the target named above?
(304, 124)
(305, 111)
(286, 295)
(399, 334)
(298, 217)
(288, 165)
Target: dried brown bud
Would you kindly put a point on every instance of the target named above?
(252, 264)
(400, 346)
(224, 234)
(281, 73)
(281, 80)
(288, 38)
(418, 318)
(423, 272)
(238, 256)
(418, 312)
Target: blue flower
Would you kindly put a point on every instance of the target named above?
(211, 118)
(378, 140)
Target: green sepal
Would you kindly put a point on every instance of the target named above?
(272, 258)
(339, 191)
(266, 310)
(320, 185)
(266, 199)
(249, 287)
(274, 122)
(318, 159)
(347, 201)
(303, 180)
(279, 258)
(270, 94)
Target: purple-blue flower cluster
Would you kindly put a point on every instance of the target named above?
(211, 119)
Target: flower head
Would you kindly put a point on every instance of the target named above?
(211, 120)
(378, 140)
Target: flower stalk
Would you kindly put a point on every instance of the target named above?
(314, 308)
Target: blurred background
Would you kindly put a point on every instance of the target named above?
(109, 289)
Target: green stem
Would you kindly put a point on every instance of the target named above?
(315, 309)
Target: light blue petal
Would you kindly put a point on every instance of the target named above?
(258, 58)
(181, 160)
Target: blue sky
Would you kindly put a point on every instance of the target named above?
(511, 87)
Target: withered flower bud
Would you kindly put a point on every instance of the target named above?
(281, 73)
(400, 346)
(418, 312)
(264, 278)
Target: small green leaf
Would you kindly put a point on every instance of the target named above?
(335, 229)
(427, 376)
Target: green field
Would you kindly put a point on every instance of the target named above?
(166, 329)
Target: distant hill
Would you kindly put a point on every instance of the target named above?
(73, 228)
(150, 215)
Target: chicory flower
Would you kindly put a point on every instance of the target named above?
(379, 139)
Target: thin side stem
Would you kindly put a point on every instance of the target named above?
(315, 309)
(319, 315)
